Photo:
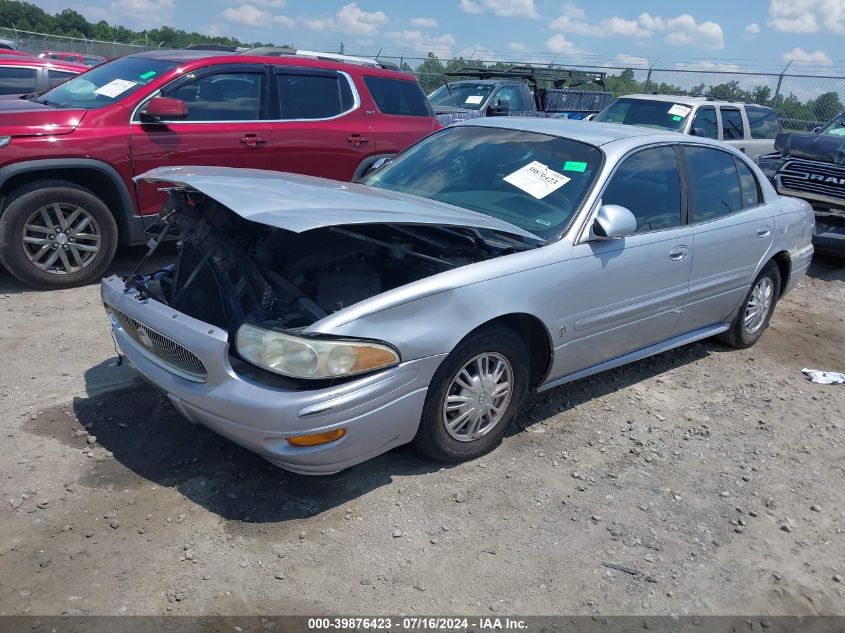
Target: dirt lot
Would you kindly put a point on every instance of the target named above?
(718, 474)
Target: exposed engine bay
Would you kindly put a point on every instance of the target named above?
(230, 270)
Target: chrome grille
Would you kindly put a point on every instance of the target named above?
(819, 180)
(160, 349)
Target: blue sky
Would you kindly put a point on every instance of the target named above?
(721, 33)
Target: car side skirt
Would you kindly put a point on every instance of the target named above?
(645, 352)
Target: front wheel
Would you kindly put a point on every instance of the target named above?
(756, 310)
(474, 396)
(54, 234)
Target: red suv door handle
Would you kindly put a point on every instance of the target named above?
(252, 140)
(356, 139)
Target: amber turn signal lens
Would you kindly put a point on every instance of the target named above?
(317, 438)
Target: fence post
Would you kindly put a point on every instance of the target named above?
(648, 76)
(780, 81)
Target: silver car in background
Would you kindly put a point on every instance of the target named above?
(321, 323)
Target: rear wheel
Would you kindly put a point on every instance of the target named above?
(54, 234)
(474, 396)
(756, 310)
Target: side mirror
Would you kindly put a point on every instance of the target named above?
(613, 221)
(164, 109)
(501, 108)
(381, 162)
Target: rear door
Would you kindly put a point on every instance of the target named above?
(319, 127)
(402, 114)
(732, 231)
(733, 127)
(226, 126)
(628, 293)
(761, 129)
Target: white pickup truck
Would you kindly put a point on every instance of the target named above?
(749, 127)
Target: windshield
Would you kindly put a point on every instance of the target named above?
(835, 127)
(534, 181)
(661, 115)
(469, 96)
(106, 84)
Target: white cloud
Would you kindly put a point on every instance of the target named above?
(559, 44)
(632, 61)
(516, 47)
(144, 12)
(502, 8)
(800, 55)
(270, 3)
(247, 15)
(807, 16)
(683, 30)
(705, 65)
(440, 45)
(424, 23)
(349, 20)
(753, 29)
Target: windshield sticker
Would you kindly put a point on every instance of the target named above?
(474, 99)
(536, 179)
(679, 110)
(147, 75)
(572, 165)
(115, 87)
(677, 118)
(542, 221)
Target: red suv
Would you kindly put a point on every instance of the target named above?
(68, 157)
(22, 74)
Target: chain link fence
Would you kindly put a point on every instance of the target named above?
(37, 42)
(802, 101)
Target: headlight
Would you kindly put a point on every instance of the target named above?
(301, 357)
(5, 140)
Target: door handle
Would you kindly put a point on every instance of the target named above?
(764, 231)
(252, 140)
(356, 139)
(679, 253)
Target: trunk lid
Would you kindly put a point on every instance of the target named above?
(302, 203)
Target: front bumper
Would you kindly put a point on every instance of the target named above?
(829, 235)
(379, 411)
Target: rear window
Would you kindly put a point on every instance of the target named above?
(762, 121)
(399, 97)
(732, 125)
(313, 95)
(57, 77)
(15, 81)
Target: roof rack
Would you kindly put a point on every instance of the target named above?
(559, 77)
(279, 51)
(225, 48)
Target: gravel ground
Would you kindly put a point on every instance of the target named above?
(713, 476)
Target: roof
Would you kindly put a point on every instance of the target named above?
(39, 62)
(585, 131)
(686, 99)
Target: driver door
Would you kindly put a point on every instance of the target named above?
(629, 293)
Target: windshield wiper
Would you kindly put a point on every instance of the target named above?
(52, 104)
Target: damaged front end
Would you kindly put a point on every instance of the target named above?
(264, 284)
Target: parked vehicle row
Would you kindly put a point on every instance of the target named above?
(320, 325)
(69, 156)
(28, 74)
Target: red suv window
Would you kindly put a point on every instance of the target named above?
(396, 96)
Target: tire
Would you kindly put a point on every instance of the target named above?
(497, 344)
(73, 256)
(767, 287)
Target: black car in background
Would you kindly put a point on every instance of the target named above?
(811, 166)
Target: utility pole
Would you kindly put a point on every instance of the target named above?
(780, 80)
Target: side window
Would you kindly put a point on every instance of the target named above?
(313, 95)
(398, 96)
(649, 185)
(510, 95)
(763, 122)
(704, 123)
(15, 81)
(714, 183)
(748, 185)
(732, 125)
(222, 97)
(57, 77)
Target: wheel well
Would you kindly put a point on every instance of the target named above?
(91, 179)
(784, 266)
(536, 338)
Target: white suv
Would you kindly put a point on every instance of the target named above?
(751, 128)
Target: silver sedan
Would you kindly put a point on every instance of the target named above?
(321, 323)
